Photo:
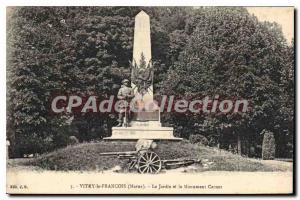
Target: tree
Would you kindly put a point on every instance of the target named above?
(230, 53)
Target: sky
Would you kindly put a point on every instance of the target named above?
(284, 16)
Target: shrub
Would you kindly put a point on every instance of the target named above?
(73, 140)
(198, 139)
(268, 146)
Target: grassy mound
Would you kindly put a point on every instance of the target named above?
(86, 157)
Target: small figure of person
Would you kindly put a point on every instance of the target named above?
(125, 93)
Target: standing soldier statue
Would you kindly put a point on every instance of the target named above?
(125, 93)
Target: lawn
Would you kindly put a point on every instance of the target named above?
(85, 157)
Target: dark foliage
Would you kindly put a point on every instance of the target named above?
(268, 145)
(198, 139)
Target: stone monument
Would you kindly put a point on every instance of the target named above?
(145, 123)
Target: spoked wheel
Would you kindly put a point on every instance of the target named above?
(149, 162)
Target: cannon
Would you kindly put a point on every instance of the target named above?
(145, 160)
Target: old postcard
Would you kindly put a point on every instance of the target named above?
(150, 100)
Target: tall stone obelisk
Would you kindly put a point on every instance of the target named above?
(142, 46)
(142, 40)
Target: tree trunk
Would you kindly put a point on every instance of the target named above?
(239, 144)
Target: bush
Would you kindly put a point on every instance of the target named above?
(268, 146)
(73, 140)
(198, 139)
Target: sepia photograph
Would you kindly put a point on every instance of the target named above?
(150, 100)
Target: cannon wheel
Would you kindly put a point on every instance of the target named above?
(149, 162)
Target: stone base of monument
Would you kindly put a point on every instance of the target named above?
(142, 132)
(144, 125)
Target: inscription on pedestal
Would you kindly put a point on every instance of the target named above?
(146, 116)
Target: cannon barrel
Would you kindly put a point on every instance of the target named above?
(177, 163)
(125, 153)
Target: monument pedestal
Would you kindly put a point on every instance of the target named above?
(142, 132)
(146, 125)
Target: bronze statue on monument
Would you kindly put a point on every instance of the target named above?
(126, 94)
